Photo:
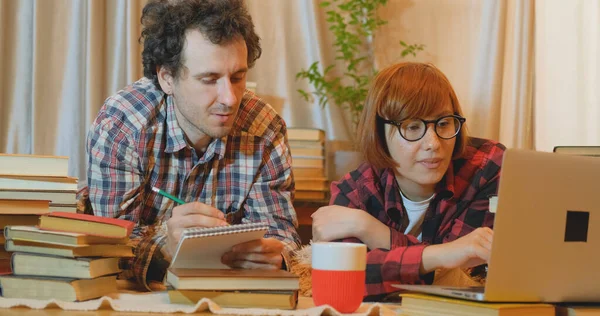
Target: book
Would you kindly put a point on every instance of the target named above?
(310, 195)
(312, 144)
(38, 183)
(34, 165)
(317, 172)
(238, 299)
(54, 196)
(18, 219)
(590, 309)
(79, 268)
(202, 248)
(298, 152)
(34, 234)
(86, 224)
(232, 279)
(67, 208)
(309, 134)
(308, 162)
(105, 250)
(31, 207)
(61, 289)
(593, 151)
(314, 184)
(423, 304)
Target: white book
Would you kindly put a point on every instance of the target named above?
(34, 165)
(38, 183)
(54, 196)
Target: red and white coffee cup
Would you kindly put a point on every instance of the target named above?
(338, 274)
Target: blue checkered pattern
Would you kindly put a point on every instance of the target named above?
(135, 143)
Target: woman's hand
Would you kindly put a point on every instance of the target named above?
(337, 222)
(468, 251)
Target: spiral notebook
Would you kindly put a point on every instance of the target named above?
(202, 248)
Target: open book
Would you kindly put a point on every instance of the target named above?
(202, 248)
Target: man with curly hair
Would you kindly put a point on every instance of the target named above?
(190, 128)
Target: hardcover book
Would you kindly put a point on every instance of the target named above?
(86, 224)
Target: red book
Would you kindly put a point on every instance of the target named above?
(86, 224)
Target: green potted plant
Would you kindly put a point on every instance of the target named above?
(353, 24)
(345, 84)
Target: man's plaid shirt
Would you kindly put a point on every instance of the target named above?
(135, 143)
(461, 204)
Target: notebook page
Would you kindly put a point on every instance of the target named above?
(202, 248)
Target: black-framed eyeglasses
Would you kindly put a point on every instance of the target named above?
(446, 127)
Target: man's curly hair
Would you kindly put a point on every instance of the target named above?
(165, 22)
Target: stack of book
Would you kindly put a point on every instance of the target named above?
(67, 257)
(30, 186)
(307, 146)
(423, 304)
(196, 275)
(234, 288)
(31, 178)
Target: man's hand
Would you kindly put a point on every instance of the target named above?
(262, 253)
(194, 214)
(337, 222)
(468, 251)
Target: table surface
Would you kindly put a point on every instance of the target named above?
(128, 287)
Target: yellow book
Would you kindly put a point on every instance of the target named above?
(232, 279)
(31, 207)
(423, 304)
(34, 234)
(312, 184)
(308, 162)
(238, 299)
(310, 195)
(69, 251)
(307, 152)
(318, 172)
(61, 289)
(20, 219)
(306, 134)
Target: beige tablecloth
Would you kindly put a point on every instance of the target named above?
(158, 302)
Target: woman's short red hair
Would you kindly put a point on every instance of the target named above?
(399, 92)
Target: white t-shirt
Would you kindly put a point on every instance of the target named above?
(416, 214)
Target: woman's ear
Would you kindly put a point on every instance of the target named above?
(165, 79)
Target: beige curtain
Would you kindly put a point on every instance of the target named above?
(60, 60)
(484, 47)
(567, 69)
(294, 35)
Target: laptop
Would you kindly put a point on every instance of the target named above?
(546, 244)
(593, 151)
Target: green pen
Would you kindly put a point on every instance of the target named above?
(167, 195)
